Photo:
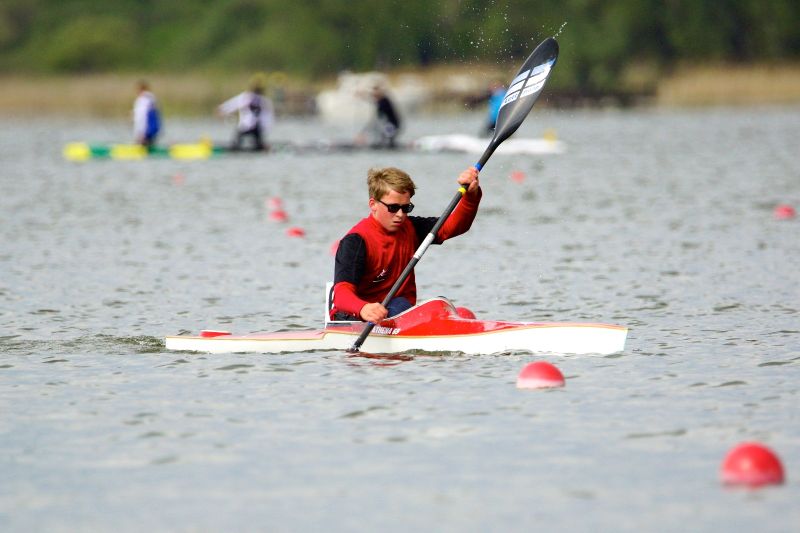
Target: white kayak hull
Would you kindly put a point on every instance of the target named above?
(433, 326)
(598, 339)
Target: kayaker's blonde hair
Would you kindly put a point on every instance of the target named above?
(382, 180)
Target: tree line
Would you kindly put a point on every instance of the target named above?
(600, 39)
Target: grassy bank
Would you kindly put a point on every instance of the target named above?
(110, 95)
(731, 85)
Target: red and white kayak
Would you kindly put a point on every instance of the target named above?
(434, 325)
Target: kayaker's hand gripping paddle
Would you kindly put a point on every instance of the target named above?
(522, 93)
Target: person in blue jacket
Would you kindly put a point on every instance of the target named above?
(146, 117)
(497, 91)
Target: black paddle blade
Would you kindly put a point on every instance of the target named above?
(522, 93)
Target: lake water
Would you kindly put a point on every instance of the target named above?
(658, 220)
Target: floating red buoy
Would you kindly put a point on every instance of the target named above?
(463, 312)
(518, 176)
(751, 464)
(784, 212)
(296, 232)
(179, 179)
(274, 203)
(278, 216)
(539, 375)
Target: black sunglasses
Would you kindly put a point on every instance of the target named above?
(394, 208)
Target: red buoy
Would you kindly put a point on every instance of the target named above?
(518, 176)
(278, 215)
(463, 312)
(296, 232)
(275, 203)
(751, 464)
(539, 375)
(784, 212)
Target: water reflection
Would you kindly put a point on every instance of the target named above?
(378, 359)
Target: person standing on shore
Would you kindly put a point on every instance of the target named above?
(146, 117)
(385, 125)
(255, 115)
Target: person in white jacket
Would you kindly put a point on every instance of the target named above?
(146, 118)
(255, 116)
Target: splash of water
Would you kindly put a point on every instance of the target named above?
(560, 29)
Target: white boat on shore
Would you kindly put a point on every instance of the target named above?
(476, 145)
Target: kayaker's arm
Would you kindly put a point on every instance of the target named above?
(346, 300)
(350, 257)
(460, 220)
(231, 105)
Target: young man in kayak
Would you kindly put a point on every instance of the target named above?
(373, 254)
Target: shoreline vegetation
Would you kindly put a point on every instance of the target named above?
(443, 89)
(436, 55)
